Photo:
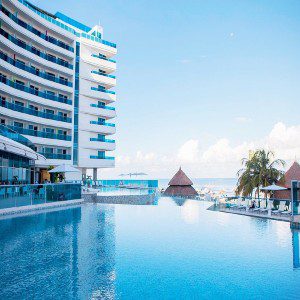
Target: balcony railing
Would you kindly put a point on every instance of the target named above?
(65, 27)
(33, 112)
(45, 37)
(56, 156)
(100, 157)
(33, 91)
(104, 58)
(102, 123)
(102, 140)
(36, 51)
(41, 134)
(34, 71)
(103, 106)
(103, 90)
(103, 74)
(15, 136)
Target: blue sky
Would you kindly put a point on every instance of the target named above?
(198, 80)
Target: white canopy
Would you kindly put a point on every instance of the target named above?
(64, 169)
(273, 187)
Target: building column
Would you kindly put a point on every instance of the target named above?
(83, 170)
(95, 174)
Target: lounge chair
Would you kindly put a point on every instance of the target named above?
(263, 206)
(281, 208)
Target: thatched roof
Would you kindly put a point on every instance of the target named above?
(180, 191)
(293, 173)
(181, 179)
(180, 185)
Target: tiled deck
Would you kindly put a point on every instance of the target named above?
(254, 214)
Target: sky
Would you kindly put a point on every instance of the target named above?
(200, 83)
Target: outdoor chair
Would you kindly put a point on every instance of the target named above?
(263, 206)
(281, 208)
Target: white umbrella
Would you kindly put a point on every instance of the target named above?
(64, 169)
(273, 187)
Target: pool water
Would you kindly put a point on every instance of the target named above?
(172, 250)
(114, 191)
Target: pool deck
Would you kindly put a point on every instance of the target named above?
(254, 214)
(38, 207)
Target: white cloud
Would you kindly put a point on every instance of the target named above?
(220, 159)
(189, 151)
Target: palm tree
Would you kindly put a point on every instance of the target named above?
(258, 170)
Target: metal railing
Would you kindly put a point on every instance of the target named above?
(34, 112)
(103, 123)
(35, 51)
(34, 71)
(15, 136)
(104, 58)
(42, 134)
(56, 155)
(45, 37)
(103, 90)
(103, 74)
(30, 194)
(33, 91)
(102, 140)
(100, 157)
(103, 106)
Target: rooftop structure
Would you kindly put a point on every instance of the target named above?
(180, 185)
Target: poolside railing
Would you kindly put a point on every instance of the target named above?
(30, 194)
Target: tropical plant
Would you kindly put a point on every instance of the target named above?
(259, 170)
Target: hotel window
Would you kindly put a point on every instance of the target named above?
(20, 62)
(61, 132)
(2, 99)
(102, 104)
(101, 154)
(18, 124)
(62, 96)
(21, 43)
(33, 107)
(19, 103)
(52, 57)
(34, 89)
(49, 130)
(32, 127)
(49, 111)
(63, 79)
(50, 74)
(2, 121)
(20, 84)
(62, 114)
(48, 150)
(35, 50)
(37, 71)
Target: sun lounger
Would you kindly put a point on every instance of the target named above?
(281, 208)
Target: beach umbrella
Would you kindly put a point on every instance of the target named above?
(273, 187)
(64, 169)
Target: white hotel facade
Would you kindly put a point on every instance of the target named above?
(56, 76)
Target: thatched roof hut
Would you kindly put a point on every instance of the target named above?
(180, 185)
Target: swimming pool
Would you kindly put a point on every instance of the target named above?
(162, 251)
(115, 191)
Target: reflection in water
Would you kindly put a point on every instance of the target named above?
(63, 254)
(296, 246)
(190, 212)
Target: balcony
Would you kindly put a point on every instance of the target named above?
(47, 38)
(103, 123)
(103, 106)
(33, 91)
(103, 57)
(102, 90)
(101, 157)
(33, 71)
(56, 156)
(34, 112)
(41, 134)
(102, 140)
(36, 51)
(103, 74)
(13, 135)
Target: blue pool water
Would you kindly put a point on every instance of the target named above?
(114, 191)
(172, 250)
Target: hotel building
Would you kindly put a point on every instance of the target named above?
(56, 76)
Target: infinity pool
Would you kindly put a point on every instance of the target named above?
(172, 250)
(114, 191)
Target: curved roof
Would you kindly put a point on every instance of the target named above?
(180, 178)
